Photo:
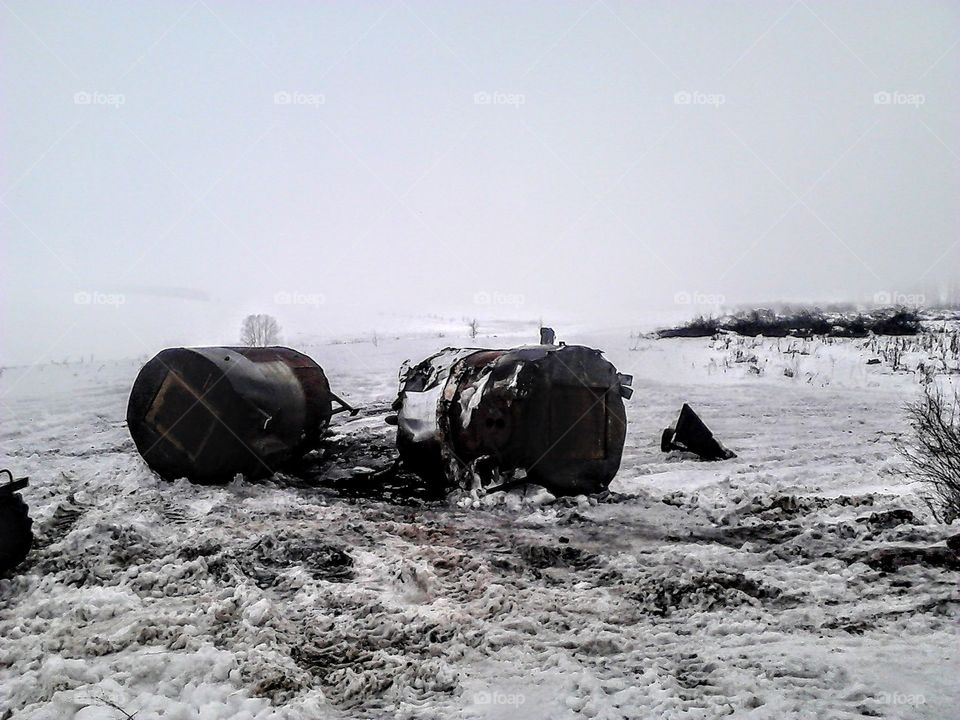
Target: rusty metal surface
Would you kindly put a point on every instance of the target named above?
(210, 413)
(476, 418)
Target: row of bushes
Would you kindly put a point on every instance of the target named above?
(804, 323)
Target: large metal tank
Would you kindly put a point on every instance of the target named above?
(550, 414)
(209, 413)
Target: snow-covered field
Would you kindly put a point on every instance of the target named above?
(748, 588)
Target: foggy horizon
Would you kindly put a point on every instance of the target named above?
(172, 167)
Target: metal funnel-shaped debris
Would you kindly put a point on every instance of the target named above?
(691, 434)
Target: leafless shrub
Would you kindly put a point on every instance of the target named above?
(260, 331)
(933, 450)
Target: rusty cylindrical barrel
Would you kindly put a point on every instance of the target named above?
(209, 413)
(469, 417)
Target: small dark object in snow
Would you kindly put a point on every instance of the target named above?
(16, 534)
(691, 434)
(954, 543)
(541, 557)
(888, 519)
(894, 557)
(873, 361)
(709, 591)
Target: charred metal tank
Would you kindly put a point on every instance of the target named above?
(16, 527)
(209, 413)
(547, 414)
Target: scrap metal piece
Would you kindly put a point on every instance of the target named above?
(478, 418)
(691, 434)
(16, 527)
(210, 413)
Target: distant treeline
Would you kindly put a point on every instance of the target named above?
(803, 323)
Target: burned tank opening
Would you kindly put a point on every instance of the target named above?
(479, 418)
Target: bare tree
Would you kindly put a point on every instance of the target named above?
(473, 328)
(260, 331)
(934, 450)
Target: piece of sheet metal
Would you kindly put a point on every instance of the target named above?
(690, 434)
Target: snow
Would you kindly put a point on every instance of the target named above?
(692, 590)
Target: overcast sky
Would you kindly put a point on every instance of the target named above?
(170, 166)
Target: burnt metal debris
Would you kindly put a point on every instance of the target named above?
(16, 527)
(209, 413)
(485, 419)
(692, 435)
